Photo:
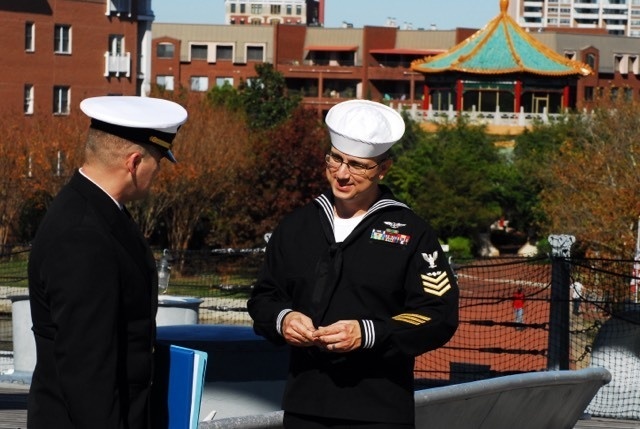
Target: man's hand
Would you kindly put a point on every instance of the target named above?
(342, 336)
(298, 329)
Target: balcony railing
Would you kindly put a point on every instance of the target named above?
(117, 64)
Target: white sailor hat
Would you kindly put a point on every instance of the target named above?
(143, 120)
(364, 128)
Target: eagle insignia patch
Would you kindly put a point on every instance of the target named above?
(431, 258)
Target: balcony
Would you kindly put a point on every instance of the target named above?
(593, 16)
(580, 5)
(621, 6)
(117, 65)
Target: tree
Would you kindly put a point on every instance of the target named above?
(38, 156)
(209, 147)
(530, 170)
(264, 98)
(286, 170)
(592, 189)
(449, 178)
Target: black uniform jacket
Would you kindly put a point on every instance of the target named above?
(93, 295)
(390, 274)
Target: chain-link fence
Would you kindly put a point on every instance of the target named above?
(575, 313)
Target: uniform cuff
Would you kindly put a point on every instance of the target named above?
(281, 318)
(368, 333)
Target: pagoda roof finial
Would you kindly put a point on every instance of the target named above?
(504, 5)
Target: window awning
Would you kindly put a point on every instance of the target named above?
(405, 51)
(332, 48)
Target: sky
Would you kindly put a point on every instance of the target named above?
(444, 14)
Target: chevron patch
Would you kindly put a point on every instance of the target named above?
(412, 318)
(436, 283)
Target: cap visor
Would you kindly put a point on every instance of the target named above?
(169, 155)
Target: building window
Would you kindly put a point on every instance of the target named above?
(222, 81)
(119, 6)
(61, 95)
(256, 9)
(116, 45)
(588, 93)
(591, 61)
(255, 53)
(165, 50)
(29, 37)
(298, 9)
(243, 8)
(275, 9)
(28, 99)
(233, 8)
(224, 53)
(199, 83)
(165, 82)
(62, 39)
(288, 9)
(198, 52)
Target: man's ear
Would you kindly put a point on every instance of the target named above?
(384, 167)
(133, 160)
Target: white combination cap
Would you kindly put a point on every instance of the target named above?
(143, 120)
(364, 128)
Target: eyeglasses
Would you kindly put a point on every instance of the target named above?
(334, 161)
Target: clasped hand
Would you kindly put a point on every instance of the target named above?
(341, 336)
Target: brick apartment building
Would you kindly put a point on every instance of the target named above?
(325, 65)
(329, 64)
(59, 52)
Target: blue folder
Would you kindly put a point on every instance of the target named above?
(178, 386)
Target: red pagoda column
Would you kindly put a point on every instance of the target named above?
(517, 95)
(425, 98)
(565, 97)
(459, 88)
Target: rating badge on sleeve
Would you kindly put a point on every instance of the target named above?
(434, 282)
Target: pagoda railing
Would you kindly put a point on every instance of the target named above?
(497, 118)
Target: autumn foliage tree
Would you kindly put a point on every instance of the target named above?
(38, 156)
(210, 147)
(284, 167)
(285, 170)
(591, 189)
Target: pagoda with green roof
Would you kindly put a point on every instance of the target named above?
(500, 68)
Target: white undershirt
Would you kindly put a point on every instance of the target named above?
(343, 227)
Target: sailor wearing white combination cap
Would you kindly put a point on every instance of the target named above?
(92, 277)
(357, 284)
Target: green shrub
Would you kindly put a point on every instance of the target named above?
(460, 247)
